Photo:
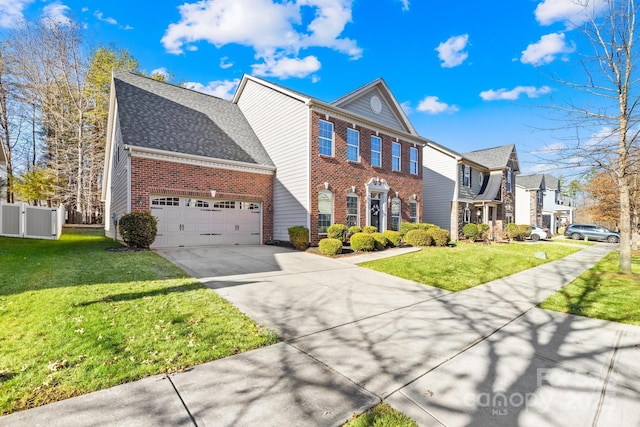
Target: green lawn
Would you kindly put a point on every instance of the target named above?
(602, 292)
(467, 265)
(381, 415)
(76, 318)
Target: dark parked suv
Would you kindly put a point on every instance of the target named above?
(592, 232)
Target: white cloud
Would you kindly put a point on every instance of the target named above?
(127, 27)
(11, 12)
(162, 71)
(287, 67)
(432, 105)
(546, 50)
(224, 64)
(275, 30)
(451, 52)
(406, 106)
(513, 94)
(572, 12)
(57, 13)
(85, 9)
(315, 78)
(220, 88)
(98, 14)
(553, 148)
(405, 5)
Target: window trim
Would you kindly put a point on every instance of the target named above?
(330, 194)
(357, 146)
(379, 165)
(397, 216)
(413, 163)
(413, 219)
(357, 213)
(509, 179)
(398, 157)
(321, 138)
(466, 215)
(466, 176)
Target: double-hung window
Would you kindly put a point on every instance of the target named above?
(413, 211)
(413, 161)
(325, 138)
(466, 176)
(325, 211)
(352, 210)
(353, 145)
(376, 151)
(395, 214)
(509, 179)
(396, 159)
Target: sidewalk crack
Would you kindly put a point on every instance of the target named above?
(603, 392)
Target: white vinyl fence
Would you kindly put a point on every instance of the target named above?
(33, 222)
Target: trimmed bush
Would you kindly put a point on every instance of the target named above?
(393, 238)
(418, 238)
(299, 237)
(330, 246)
(354, 229)
(380, 241)
(471, 231)
(370, 229)
(525, 231)
(406, 227)
(513, 231)
(138, 229)
(483, 231)
(337, 231)
(362, 242)
(439, 236)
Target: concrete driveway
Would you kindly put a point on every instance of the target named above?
(354, 337)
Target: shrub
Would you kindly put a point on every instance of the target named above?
(138, 229)
(393, 238)
(418, 238)
(337, 231)
(525, 231)
(406, 227)
(299, 236)
(362, 242)
(513, 231)
(439, 236)
(330, 246)
(471, 231)
(380, 241)
(425, 226)
(354, 229)
(370, 229)
(482, 231)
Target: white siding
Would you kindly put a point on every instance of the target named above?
(119, 193)
(361, 106)
(281, 123)
(523, 206)
(438, 187)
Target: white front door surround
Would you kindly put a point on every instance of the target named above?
(376, 190)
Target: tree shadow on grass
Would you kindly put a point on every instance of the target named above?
(146, 294)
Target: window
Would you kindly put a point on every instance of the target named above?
(165, 201)
(395, 214)
(196, 203)
(509, 178)
(376, 151)
(325, 211)
(225, 205)
(413, 211)
(509, 218)
(466, 216)
(250, 206)
(396, 160)
(325, 141)
(466, 176)
(540, 197)
(352, 210)
(413, 160)
(353, 145)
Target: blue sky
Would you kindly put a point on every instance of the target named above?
(470, 74)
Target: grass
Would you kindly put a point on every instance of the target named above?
(77, 318)
(467, 265)
(601, 292)
(381, 415)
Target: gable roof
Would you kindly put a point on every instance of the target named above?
(162, 116)
(551, 182)
(493, 158)
(530, 182)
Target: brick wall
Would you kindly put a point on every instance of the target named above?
(148, 175)
(341, 175)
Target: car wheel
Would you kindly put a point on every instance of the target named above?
(612, 239)
(535, 237)
(576, 236)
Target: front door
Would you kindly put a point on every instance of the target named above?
(374, 213)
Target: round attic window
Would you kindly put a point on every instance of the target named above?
(376, 105)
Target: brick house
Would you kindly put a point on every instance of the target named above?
(221, 172)
(473, 187)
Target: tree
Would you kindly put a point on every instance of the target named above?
(610, 112)
(35, 185)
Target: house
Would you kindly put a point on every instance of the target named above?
(243, 171)
(540, 202)
(473, 187)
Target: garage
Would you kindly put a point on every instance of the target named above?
(184, 221)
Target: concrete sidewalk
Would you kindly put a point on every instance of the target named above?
(354, 337)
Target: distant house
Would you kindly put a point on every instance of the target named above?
(540, 202)
(473, 187)
(243, 171)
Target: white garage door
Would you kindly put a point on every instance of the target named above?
(203, 222)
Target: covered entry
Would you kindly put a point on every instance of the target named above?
(184, 221)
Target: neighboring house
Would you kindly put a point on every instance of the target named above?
(3, 174)
(530, 191)
(355, 161)
(191, 159)
(473, 187)
(244, 171)
(554, 211)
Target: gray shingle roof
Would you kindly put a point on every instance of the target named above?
(530, 182)
(162, 116)
(496, 157)
(551, 182)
